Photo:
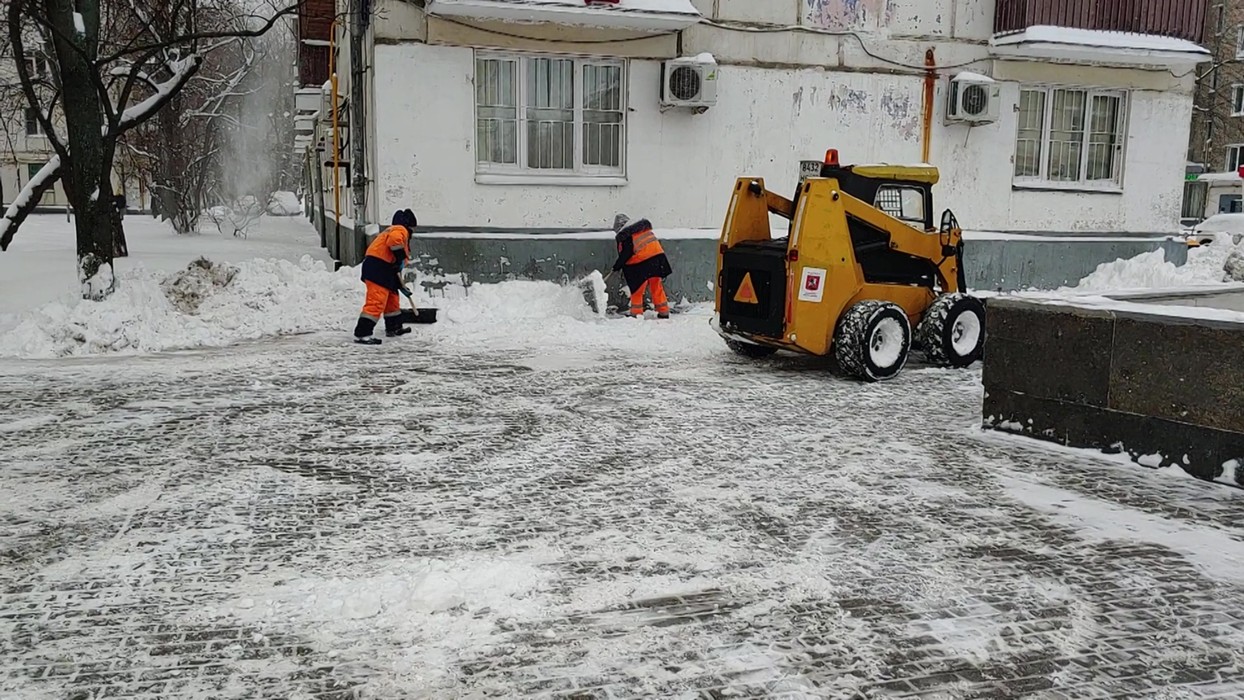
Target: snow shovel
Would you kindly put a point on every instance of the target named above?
(415, 315)
(596, 297)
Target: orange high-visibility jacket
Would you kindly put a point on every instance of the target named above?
(390, 244)
(640, 255)
(383, 264)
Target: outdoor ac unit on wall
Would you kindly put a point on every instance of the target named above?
(973, 99)
(689, 82)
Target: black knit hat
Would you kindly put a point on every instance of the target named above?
(405, 218)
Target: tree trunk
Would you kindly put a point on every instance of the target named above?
(86, 176)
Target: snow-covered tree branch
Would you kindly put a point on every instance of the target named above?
(115, 65)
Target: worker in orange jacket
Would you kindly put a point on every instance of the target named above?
(382, 268)
(643, 264)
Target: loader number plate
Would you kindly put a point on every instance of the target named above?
(809, 168)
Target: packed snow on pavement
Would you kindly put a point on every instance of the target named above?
(527, 500)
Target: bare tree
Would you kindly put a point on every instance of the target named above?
(104, 85)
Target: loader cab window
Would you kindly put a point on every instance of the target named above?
(903, 203)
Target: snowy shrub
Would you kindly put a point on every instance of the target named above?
(284, 204)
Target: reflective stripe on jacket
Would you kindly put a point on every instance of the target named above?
(645, 245)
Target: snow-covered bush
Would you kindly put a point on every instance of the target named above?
(284, 204)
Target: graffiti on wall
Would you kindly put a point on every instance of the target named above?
(847, 14)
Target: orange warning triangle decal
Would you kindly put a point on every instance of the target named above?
(747, 292)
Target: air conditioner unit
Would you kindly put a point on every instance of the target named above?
(689, 82)
(973, 99)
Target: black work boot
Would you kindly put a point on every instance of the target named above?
(362, 332)
(393, 326)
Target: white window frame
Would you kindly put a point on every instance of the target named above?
(580, 174)
(1237, 100)
(1238, 149)
(1041, 180)
(1239, 43)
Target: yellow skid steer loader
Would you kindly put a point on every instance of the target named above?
(863, 276)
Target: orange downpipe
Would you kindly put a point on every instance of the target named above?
(930, 84)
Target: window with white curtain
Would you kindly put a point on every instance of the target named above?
(1070, 136)
(550, 115)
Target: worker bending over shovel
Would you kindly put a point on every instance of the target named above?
(382, 268)
(643, 263)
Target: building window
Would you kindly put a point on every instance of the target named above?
(37, 64)
(1234, 154)
(547, 115)
(32, 169)
(1070, 136)
(1237, 100)
(33, 126)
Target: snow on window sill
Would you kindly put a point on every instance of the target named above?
(554, 180)
(1077, 187)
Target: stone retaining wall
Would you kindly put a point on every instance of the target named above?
(1163, 388)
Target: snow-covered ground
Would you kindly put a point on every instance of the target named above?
(527, 500)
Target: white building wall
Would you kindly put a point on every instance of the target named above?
(681, 166)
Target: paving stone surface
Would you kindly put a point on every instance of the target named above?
(298, 519)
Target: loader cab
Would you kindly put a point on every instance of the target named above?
(904, 192)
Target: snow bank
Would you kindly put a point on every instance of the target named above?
(211, 304)
(284, 204)
(1206, 265)
(217, 305)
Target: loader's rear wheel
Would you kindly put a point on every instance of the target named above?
(873, 340)
(952, 333)
(750, 350)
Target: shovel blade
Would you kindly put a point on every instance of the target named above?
(425, 316)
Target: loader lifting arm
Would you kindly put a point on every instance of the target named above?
(941, 250)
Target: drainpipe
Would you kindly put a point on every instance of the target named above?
(930, 83)
(335, 160)
(358, 130)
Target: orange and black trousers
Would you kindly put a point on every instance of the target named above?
(655, 286)
(383, 299)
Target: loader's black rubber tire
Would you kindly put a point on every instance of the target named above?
(873, 340)
(952, 332)
(750, 350)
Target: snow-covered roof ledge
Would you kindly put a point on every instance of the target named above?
(1093, 45)
(641, 15)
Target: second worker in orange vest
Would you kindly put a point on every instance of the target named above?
(643, 263)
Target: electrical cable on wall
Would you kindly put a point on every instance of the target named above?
(836, 33)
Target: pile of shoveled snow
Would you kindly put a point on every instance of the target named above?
(206, 305)
(1206, 265)
(209, 304)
